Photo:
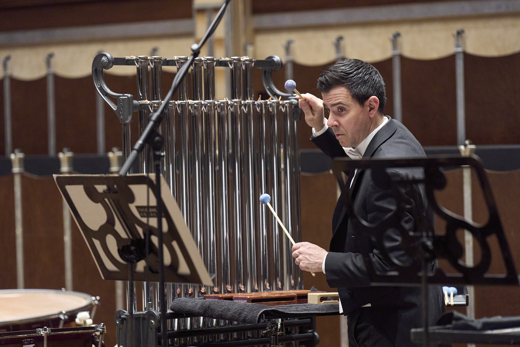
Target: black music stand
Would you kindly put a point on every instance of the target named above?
(425, 176)
(114, 214)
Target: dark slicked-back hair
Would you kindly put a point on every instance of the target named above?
(361, 79)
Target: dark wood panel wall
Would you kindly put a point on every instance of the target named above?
(43, 247)
(46, 14)
(32, 15)
(428, 99)
(44, 257)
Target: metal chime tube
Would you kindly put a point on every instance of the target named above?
(235, 124)
(145, 157)
(295, 189)
(209, 188)
(265, 225)
(197, 78)
(196, 169)
(143, 90)
(183, 197)
(293, 170)
(210, 169)
(197, 179)
(156, 74)
(287, 178)
(247, 73)
(156, 97)
(181, 142)
(127, 141)
(181, 125)
(236, 78)
(169, 134)
(100, 124)
(249, 193)
(209, 78)
(277, 237)
(225, 221)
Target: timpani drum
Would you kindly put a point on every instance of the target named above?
(26, 309)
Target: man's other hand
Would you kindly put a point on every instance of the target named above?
(313, 109)
(308, 256)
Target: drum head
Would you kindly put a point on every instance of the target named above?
(33, 305)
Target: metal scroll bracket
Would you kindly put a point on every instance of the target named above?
(270, 64)
(125, 104)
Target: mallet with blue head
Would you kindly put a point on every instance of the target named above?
(452, 291)
(266, 199)
(290, 85)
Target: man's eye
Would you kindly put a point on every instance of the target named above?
(341, 109)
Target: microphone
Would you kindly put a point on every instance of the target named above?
(266, 199)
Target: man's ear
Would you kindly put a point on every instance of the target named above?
(373, 106)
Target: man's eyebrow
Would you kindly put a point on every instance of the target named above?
(335, 104)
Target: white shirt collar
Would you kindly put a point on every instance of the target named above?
(359, 151)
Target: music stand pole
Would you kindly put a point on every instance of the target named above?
(158, 157)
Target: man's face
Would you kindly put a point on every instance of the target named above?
(349, 120)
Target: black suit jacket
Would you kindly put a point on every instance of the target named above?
(398, 309)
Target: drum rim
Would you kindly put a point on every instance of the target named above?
(48, 316)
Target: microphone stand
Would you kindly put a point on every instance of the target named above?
(153, 138)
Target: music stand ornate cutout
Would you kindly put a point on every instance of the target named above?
(113, 214)
(426, 243)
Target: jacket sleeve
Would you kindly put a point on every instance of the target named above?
(328, 144)
(349, 269)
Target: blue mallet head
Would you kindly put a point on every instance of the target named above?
(290, 85)
(445, 289)
(452, 290)
(265, 198)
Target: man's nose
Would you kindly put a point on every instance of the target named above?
(331, 122)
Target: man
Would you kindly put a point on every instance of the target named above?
(354, 97)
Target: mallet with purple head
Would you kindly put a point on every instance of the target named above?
(266, 199)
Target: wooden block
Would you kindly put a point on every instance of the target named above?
(322, 298)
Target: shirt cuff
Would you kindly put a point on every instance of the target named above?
(318, 133)
(323, 264)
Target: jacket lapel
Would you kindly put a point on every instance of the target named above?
(381, 137)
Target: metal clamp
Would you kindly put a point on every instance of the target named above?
(459, 46)
(273, 330)
(63, 317)
(395, 43)
(125, 105)
(338, 47)
(66, 165)
(17, 159)
(44, 332)
(101, 329)
(95, 303)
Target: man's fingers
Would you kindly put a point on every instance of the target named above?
(296, 246)
(304, 105)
